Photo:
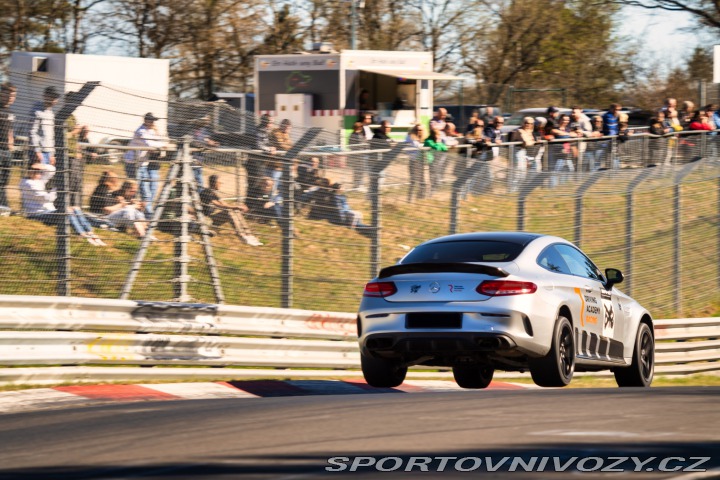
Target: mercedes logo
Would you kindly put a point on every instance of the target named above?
(434, 287)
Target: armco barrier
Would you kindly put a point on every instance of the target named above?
(66, 339)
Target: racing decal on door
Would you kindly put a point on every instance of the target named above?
(589, 309)
(595, 347)
(608, 324)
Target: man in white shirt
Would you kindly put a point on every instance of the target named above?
(42, 132)
(367, 121)
(142, 165)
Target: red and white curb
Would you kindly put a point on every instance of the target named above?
(83, 395)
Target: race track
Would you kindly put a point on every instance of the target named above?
(293, 437)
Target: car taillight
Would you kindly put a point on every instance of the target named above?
(379, 289)
(498, 288)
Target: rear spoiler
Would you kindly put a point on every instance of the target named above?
(404, 269)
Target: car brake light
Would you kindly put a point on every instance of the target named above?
(498, 288)
(379, 289)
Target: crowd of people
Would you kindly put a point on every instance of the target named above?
(128, 203)
(590, 143)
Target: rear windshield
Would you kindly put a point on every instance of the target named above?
(465, 251)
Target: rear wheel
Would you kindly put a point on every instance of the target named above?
(473, 376)
(640, 373)
(381, 372)
(557, 367)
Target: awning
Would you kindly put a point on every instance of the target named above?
(412, 74)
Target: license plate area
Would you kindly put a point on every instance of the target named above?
(433, 320)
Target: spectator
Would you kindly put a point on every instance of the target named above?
(367, 130)
(439, 120)
(658, 146)
(357, 140)
(526, 150)
(580, 127)
(479, 169)
(563, 153)
(416, 162)
(42, 131)
(714, 113)
(202, 139)
(488, 116)
(610, 120)
(539, 134)
(170, 222)
(8, 92)
(262, 204)
(280, 137)
(140, 165)
(438, 150)
(308, 174)
(221, 212)
(701, 121)
(673, 122)
(75, 161)
(382, 139)
(256, 165)
(623, 136)
(323, 205)
(38, 203)
(345, 216)
(552, 115)
(474, 121)
(669, 104)
(686, 114)
(89, 154)
(117, 203)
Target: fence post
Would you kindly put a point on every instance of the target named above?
(594, 177)
(288, 213)
(62, 237)
(380, 163)
(629, 227)
(181, 260)
(460, 180)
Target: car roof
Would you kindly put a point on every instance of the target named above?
(522, 238)
(543, 110)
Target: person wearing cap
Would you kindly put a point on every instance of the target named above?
(280, 137)
(552, 114)
(42, 132)
(142, 165)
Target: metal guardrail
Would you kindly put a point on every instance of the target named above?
(59, 339)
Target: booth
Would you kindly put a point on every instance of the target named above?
(331, 90)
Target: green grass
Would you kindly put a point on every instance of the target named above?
(331, 263)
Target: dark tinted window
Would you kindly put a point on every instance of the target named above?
(551, 259)
(465, 251)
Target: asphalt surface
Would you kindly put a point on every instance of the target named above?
(293, 437)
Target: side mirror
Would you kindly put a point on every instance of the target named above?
(614, 276)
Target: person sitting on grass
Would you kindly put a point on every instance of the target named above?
(38, 203)
(344, 215)
(261, 202)
(117, 204)
(221, 212)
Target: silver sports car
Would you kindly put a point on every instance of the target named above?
(517, 301)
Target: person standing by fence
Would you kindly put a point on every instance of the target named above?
(42, 131)
(8, 92)
(138, 163)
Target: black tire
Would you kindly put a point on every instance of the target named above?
(557, 367)
(382, 373)
(473, 376)
(640, 373)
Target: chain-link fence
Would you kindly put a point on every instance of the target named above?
(211, 204)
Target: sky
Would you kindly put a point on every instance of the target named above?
(660, 32)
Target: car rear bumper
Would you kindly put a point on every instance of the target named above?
(458, 343)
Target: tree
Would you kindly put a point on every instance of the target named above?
(706, 12)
